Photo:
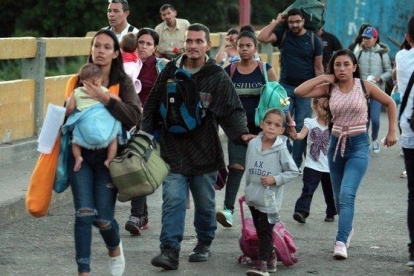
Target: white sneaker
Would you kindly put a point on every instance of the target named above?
(117, 264)
(348, 241)
(340, 252)
(376, 147)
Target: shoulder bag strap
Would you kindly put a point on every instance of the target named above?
(406, 94)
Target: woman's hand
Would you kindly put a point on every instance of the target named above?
(95, 92)
(268, 180)
(391, 139)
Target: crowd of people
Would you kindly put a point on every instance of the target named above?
(127, 75)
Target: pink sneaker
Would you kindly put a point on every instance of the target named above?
(348, 241)
(340, 252)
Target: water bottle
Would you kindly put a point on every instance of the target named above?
(271, 206)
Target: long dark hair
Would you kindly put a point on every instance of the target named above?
(344, 52)
(117, 73)
(356, 74)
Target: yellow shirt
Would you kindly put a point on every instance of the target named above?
(171, 39)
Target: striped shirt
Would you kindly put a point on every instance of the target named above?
(349, 113)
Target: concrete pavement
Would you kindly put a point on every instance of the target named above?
(44, 246)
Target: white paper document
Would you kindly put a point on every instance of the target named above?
(55, 116)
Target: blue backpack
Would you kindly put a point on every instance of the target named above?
(182, 110)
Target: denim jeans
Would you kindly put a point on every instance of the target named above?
(139, 206)
(346, 176)
(175, 194)
(311, 179)
(300, 109)
(374, 114)
(94, 193)
(409, 167)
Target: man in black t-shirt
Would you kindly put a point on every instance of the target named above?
(330, 44)
(300, 60)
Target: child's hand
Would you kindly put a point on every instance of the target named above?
(268, 180)
(293, 134)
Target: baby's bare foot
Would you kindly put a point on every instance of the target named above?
(107, 161)
(78, 162)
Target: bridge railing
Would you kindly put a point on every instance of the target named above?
(23, 102)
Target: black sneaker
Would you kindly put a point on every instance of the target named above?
(411, 261)
(135, 224)
(201, 253)
(168, 259)
(329, 219)
(299, 217)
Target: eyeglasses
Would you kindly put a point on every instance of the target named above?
(295, 22)
(124, 3)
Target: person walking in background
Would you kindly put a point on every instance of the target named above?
(405, 69)
(248, 80)
(269, 166)
(147, 45)
(316, 163)
(375, 66)
(118, 12)
(93, 198)
(348, 152)
(355, 46)
(300, 60)
(132, 63)
(228, 49)
(330, 44)
(171, 32)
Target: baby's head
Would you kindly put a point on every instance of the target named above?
(273, 123)
(129, 43)
(92, 73)
(319, 105)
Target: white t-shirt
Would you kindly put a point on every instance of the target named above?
(317, 150)
(405, 67)
(124, 32)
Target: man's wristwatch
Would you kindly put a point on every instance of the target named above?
(292, 123)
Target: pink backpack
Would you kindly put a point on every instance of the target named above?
(282, 241)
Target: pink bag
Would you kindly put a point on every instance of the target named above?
(283, 243)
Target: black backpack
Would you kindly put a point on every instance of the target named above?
(182, 109)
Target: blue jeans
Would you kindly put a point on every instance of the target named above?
(374, 114)
(175, 194)
(311, 179)
(409, 167)
(346, 175)
(94, 197)
(300, 109)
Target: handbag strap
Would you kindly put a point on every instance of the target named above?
(406, 94)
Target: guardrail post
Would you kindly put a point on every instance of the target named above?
(34, 68)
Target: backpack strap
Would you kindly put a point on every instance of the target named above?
(313, 42)
(406, 94)
(233, 67)
(262, 66)
(364, 90)
(131, 29)
(283, 39)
